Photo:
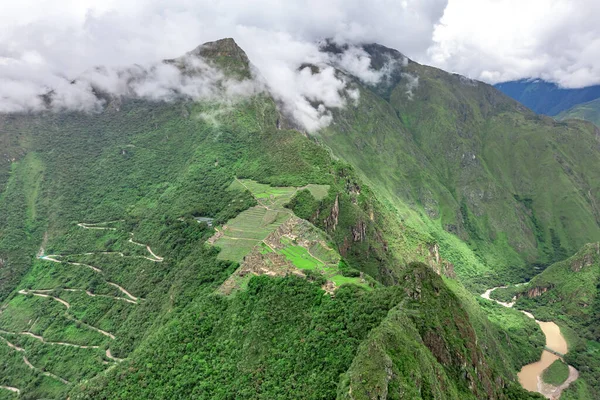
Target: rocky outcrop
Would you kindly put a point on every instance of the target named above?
(435, 261)
(331, 221)
(359, 231)
(534, 291)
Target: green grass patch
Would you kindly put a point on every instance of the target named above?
(319, 192)
(556, 373)
(300, 257)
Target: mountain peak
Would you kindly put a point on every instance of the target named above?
(226, 54)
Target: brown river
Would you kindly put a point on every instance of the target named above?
(530, 376)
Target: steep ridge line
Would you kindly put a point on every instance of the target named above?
(549, 391)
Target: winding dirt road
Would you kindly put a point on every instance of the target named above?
(26, 361)
(132, 299)
(48, 374)
(36, 293)
(45, 293)
(111, 357)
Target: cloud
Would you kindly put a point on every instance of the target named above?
(411, 83)
(155, 81)
(47, 44)
(494, 41)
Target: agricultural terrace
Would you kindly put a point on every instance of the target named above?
(270, 239)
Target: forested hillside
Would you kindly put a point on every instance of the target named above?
(589, 111)
(460, 158)
(202, 249)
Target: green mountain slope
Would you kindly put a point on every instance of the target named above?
(589, 111)
(124, 274)
(459, 157)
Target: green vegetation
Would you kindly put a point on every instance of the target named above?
(456, 158)
(589, 111)
(268, 229)
(300, 257)
(341, 270)
(567, 292)
(556, 373)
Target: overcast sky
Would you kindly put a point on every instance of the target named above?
(489, 40)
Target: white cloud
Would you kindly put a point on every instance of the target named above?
(45, 43)
(491, 40)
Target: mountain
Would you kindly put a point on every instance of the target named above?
(205, 249)
(547, 97)
(468, 163)
(589, 111)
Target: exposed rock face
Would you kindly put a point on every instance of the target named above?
(534, 291)
(359, 232)
(332, 221)
(226, 47)
(437, 263)
(537, 291)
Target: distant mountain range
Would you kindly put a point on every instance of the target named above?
(546, 97)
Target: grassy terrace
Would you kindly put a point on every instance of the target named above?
(242, 233)
(305, 249)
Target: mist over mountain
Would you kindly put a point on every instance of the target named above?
(319, 226)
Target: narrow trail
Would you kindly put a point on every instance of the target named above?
(48, 374)
(11, 345)
(111, 357)
(131, 300)
(36, 293)
(107, 334)
(41, 339)
(125, 292)
(155, 259)
(26, 361)
(555, 345)
(98, 225)
(12, 389)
